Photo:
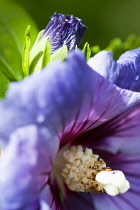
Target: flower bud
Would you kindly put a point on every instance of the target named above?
(62, 34)
(64, 30)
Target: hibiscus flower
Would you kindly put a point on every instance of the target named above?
(46, 116)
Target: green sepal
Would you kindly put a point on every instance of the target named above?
(39, 36)
(37, 52)
(87, 51)
(46, 54)
(35, 61)
(26, 52)
(60, 54)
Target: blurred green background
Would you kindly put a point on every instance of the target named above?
(105, 19)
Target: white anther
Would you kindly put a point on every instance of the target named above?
(82, 165)
(88, 152)
(79, 148)
(73, 149)
(114, 182)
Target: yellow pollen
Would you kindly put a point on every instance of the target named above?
(81, 169)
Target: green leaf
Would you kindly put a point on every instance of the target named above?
(132, 42)
(60, 54)
(7, 70)
(3, 84)
(118, 47)
(95, 49)
(13, 22)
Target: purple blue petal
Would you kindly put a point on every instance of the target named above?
(125, 72)
(25, 166)
(65, 98)
(121, 135)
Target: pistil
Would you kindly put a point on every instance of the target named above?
(87, 172)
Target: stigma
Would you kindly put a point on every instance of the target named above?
(85, 171)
